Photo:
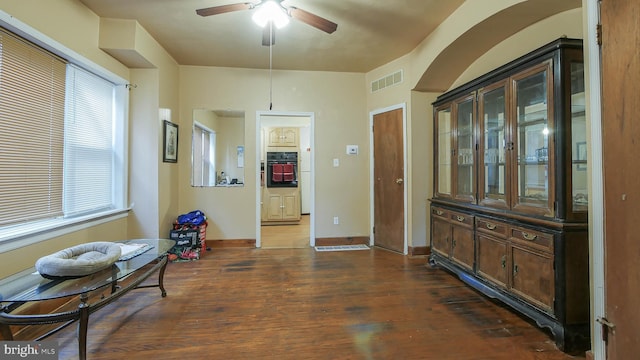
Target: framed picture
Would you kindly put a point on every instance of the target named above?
(170, 142)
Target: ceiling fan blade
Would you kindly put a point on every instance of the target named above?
(313, 20)
(215, 10)
(269, 35)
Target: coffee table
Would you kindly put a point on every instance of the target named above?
(31, 286)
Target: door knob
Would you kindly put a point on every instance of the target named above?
(399, 181)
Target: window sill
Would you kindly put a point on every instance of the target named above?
(15, 237)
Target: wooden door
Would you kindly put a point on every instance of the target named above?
(389, 182)
(462, 250)
(441, 231)
(492, 259)
(621, 146)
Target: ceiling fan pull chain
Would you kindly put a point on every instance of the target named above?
(270, 65)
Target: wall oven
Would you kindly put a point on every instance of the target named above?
(282, 169)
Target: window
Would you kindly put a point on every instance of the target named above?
(61, 138)
(204, 154)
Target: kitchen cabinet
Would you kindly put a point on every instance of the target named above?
(509, 210)
(283, 137)
(281, 205)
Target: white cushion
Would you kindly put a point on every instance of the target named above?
(79, 260)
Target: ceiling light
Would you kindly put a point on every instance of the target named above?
(271, 11)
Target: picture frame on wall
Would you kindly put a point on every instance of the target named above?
(170, 142)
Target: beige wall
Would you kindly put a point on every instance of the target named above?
(338, 103)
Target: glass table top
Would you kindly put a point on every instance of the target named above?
(34, 287)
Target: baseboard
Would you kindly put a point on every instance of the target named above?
(419, 251)
(349, 240)
(233, 243)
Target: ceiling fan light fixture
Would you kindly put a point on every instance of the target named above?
(271, 11)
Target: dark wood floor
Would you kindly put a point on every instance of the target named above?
(302, 304)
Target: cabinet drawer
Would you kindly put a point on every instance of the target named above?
(462, 219)
(536, 239)
(439, 212)
(494, 228)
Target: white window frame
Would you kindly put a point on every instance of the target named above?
(20, 235)
(198, 157)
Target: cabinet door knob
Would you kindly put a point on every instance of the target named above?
(515, 269)
(399, 181)
(503, 261)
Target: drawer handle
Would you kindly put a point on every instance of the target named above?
(439, 212)
(529, 236)
(460, 218)
(490, 226)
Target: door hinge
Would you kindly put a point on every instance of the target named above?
(599, 34)
(606, 327)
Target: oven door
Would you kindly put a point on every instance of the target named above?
(282, 169)
(282, 174)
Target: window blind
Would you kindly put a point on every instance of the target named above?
(89, 141)
(32, 100)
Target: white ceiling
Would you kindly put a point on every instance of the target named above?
(370, 33)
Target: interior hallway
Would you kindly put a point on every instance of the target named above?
(286, 236)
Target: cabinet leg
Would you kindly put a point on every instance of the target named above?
(432, 262)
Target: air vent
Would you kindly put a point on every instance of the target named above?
(389, 80)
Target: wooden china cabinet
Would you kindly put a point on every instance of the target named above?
(509, 211)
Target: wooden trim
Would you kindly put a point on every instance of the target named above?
(488, 212)
(232, 243)
(419, 250)
(349, 240)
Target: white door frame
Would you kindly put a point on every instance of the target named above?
(312, 216)
(596, 192)
(406, 182)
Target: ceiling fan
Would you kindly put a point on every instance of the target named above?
(290, 11)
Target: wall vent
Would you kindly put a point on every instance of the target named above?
(389, 80)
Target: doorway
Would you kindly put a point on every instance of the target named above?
(284, 214)
(388, 185)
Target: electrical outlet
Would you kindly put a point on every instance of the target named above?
(336, 221)
(336, 162)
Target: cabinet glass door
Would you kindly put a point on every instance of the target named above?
(444, 149)
(465, 150)
(532, 145)
(579, 139)
(493, 172)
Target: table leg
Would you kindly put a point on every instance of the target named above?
(161, 276)
(83, 324)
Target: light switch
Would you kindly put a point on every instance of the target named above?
(352, 149)
(336, 162)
